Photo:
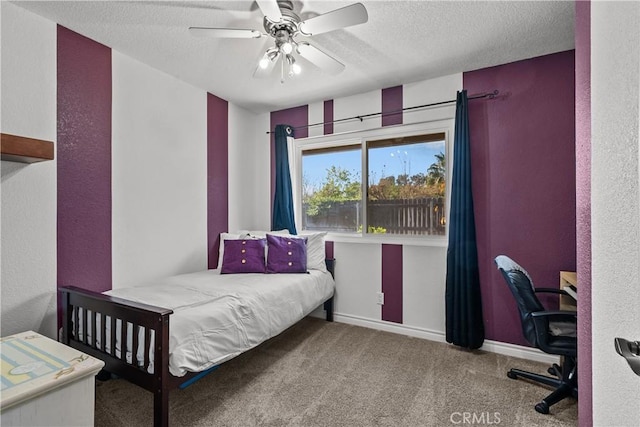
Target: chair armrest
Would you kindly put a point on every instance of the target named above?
(551, 291)
(541, 323)
(571, 314)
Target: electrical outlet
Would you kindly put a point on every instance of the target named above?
(380, 296)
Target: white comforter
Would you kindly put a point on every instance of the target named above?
(218, 316)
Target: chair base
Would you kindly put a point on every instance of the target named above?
(566, 384)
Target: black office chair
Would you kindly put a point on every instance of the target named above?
(553, 332)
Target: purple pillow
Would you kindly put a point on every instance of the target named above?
(243, 256)
(286, 254)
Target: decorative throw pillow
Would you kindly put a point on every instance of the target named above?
(286, 254)
(223, 237)
(243, 256)
(315, 250)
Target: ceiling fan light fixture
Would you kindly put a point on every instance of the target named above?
(286, 48)
(284, 25)
(294, 69)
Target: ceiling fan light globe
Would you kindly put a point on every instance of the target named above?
(286, 48)
(264, 63)
(296, 69)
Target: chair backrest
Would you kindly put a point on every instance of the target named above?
(521, 287)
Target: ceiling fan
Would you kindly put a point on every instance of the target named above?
(286, 28)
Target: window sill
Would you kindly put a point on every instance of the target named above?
(439, 241)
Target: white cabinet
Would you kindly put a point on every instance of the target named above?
(45, 382)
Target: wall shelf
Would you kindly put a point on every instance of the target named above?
(25, 150)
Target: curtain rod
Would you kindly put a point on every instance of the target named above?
(490, 95)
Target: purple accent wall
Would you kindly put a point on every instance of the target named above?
(392, 106)
(217, 174)
(328, 117)
(583, 207)
(83, 162)
(295, 117)
(523, 170)
(328, 249)
(392, 283)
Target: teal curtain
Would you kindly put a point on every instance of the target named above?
(464, 324)
(283, 197)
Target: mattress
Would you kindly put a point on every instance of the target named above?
(219, 316)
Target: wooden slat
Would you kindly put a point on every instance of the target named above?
(85, 326)
(76, 322)
(103, 332)
(134, 342)
(147, 346)
(112, 344)
(94, 336)
(123, 340)
(16, 148)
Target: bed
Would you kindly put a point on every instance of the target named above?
(214, 318)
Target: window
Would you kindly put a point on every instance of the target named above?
(332, 189)
(406, 185)
(403, 180)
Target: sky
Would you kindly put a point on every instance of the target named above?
(387, 161)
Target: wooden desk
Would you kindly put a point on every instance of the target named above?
(567, 302)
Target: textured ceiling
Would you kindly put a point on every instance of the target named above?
(403, 41)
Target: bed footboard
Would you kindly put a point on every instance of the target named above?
(114, 330)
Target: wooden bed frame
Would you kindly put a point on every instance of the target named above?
(160, 382)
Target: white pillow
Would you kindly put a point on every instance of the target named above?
(315, 250)
(263, 234)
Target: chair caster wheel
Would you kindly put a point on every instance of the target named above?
(551, 371)
(542, 407)
(512, 375)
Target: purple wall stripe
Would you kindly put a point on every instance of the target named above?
(328, 249)
(583, 206)
(328, 117)
(83, 162)
(511, 142)
(217, 174)
(295, 117)
(392, 283)
(392, 106)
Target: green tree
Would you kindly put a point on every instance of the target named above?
(339, 185)
(436, 174)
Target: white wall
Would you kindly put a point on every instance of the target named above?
(243, 190)
(427, 92)
(261, 160)
(28, 226)
(615, 207)
(159, 170)
(357, 105)
(316, 115)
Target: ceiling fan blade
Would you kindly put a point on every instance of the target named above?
(230, 33)
(270, 9)
(261, 73)
(340, 18)
(319, 58)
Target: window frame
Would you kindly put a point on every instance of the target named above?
(360, 137)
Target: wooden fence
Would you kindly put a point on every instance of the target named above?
(424, 216)
(408, 216)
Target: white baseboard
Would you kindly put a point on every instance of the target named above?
(413, 331)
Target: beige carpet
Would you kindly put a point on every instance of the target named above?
(332, 374)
